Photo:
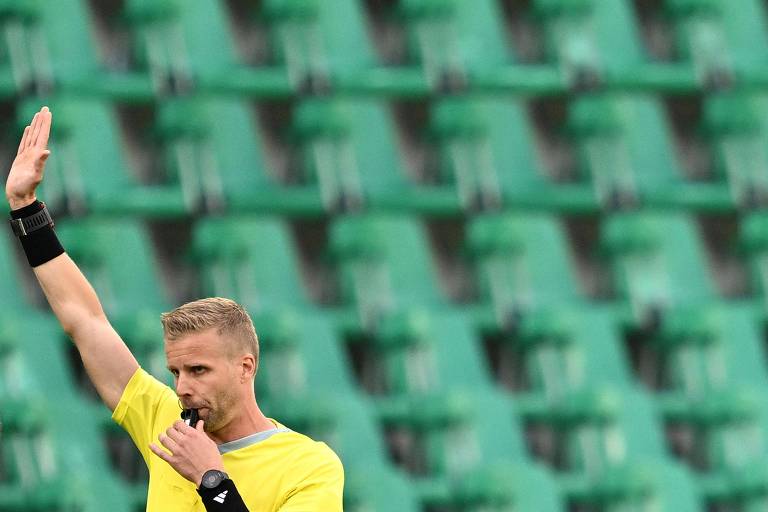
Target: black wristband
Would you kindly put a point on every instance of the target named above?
(222, 498)
(41, 245)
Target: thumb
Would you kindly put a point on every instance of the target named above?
(45, 155)
(200, 425)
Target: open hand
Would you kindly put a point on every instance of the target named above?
(192, 451)
(27, 169)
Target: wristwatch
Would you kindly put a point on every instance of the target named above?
(24, 226)
(213, 478)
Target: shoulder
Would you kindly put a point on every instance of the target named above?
(309, 454)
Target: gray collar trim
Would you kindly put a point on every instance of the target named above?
(249, 440)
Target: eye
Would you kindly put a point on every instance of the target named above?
(175, 373)
(197, 370)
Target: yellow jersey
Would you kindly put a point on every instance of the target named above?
(276, 470)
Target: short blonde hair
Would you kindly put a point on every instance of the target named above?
(228, 317)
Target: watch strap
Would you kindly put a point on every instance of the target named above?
(26, 225)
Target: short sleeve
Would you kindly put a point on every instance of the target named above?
(323, 487)
(139, 407)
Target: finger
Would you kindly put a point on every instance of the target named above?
(200, 426)
(23, 143)
(180, 426)
(45, 129)
(160, 452)
(175, 435)
(169, 443)
(33, 126)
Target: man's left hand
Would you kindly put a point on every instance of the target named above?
(192, 452)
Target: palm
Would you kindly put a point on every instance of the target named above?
(27, 169)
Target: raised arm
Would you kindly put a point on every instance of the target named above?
(105, 356)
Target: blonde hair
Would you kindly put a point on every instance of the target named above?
(229, 318)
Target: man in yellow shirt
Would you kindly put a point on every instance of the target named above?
(232, 458)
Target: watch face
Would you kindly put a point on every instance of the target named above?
(213, 478)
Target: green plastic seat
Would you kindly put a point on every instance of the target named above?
(466, 446)
(70, 60)
(189, 45)
(597, 43)
(349, 149)
(89, 172)
(613, 133)
(319, 57)
(609, 449)
(658, 265)
(461, 45)
(734, 126)
(754, 248)
(487, 153)
(252, 260)
(214, 139)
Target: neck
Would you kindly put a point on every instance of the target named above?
(247, 422)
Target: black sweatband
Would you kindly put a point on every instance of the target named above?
(41, 245)
(223, 498)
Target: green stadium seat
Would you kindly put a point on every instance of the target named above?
(68, 60)
(487, 153)
(320, 57)
(658, 267)
(597, 43)
(735, 128)
(464, 446)
(754, 247)
(214, 139)
(521, 265)
(189, 46)
(349, 149)
(461, 45)
(609, 448)
(613, 133)
(90, 173)
(16, 72)
(390, 254)
(744, 24)
(252, 260)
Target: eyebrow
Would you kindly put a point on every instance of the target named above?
(189, 366)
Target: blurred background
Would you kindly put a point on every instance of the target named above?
(502, 255)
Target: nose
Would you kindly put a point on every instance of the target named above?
(183, 388)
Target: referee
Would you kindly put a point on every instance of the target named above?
(233, 458)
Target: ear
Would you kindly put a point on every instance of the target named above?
(247, 367)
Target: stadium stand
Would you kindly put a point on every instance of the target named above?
(486, 264)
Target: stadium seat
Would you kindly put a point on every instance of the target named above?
(17, 73)
(349, 149)
(754, 247)
(521, 264)
(188, 46)
(214, 139)
(67, 61)
(609, 448)
(597, 44)
(657, 265)
(462, 46)
(735, 128)
(613, 133)
(90, 172)
(319, 57)
(487, 153)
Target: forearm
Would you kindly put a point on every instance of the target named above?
(223, 498)
(70, 295)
